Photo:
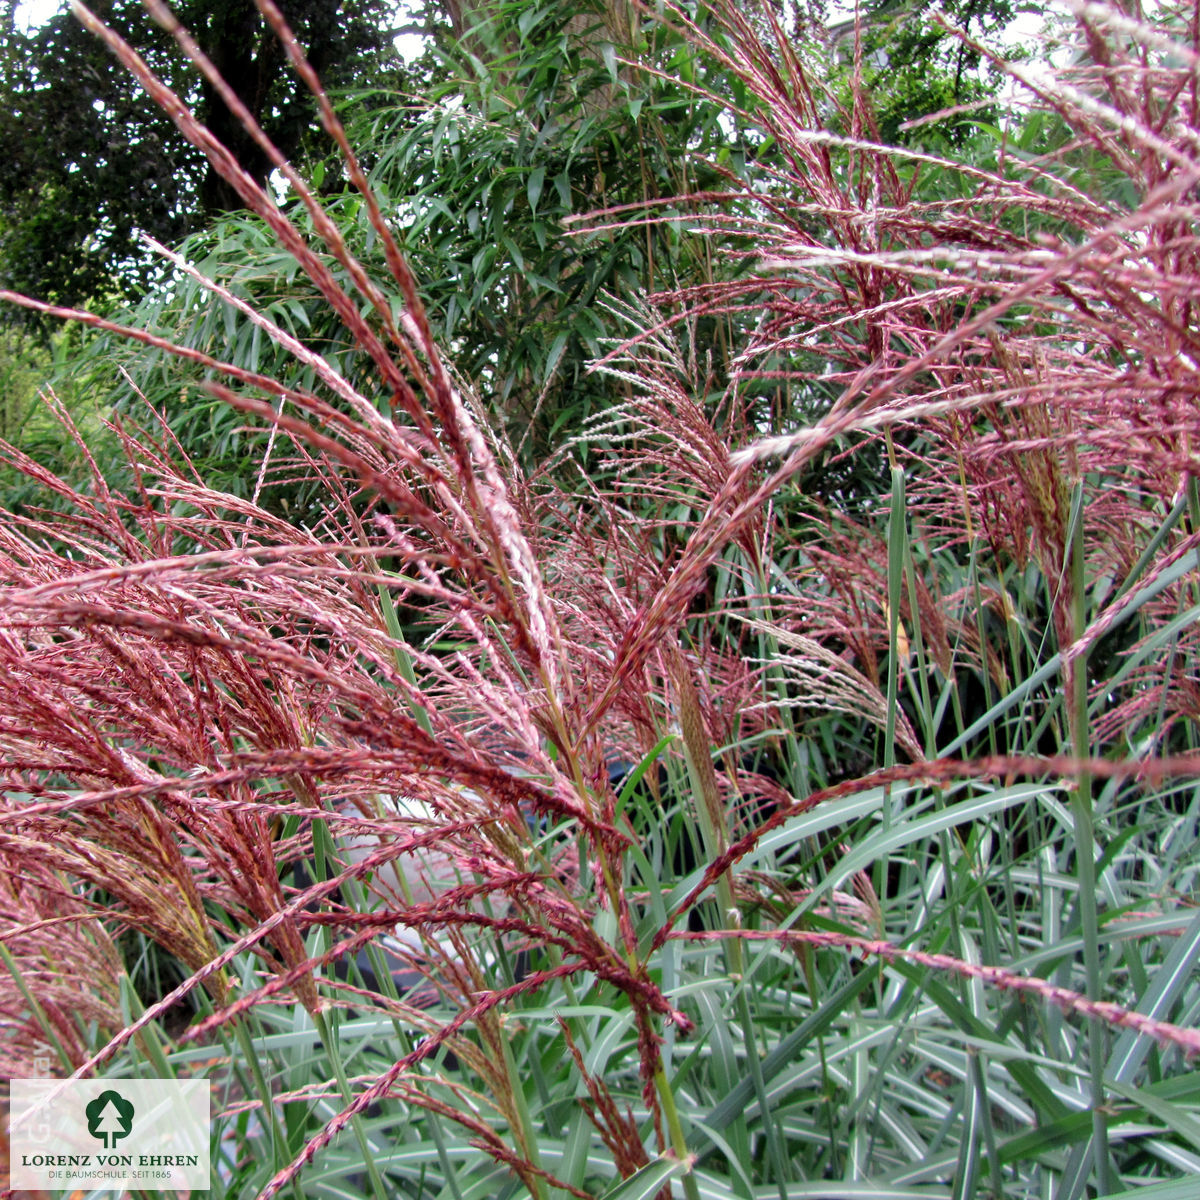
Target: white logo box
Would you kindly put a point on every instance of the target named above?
(123, 1134)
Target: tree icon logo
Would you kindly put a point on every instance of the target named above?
(109, 1118)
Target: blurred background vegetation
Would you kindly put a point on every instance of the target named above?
(501, 124)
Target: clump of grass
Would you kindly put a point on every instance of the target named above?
(631, 772)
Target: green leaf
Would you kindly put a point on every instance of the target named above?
(1182, 1189)
(608, 52)
(556, 351)
(533, 189)
(647, 1181)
